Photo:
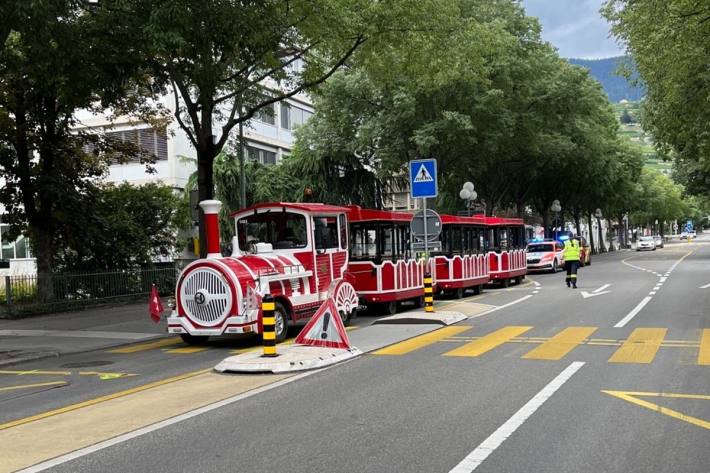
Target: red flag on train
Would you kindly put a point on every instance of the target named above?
(325, 329)
(155, 307)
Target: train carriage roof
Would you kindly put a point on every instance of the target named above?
(358, 214)
(314, 208)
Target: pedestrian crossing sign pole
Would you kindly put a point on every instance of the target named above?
(423, 184)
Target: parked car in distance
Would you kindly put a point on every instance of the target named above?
(545, 255)
(658, 240)
(646, 243)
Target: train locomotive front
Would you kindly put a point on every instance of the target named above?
(298, 253)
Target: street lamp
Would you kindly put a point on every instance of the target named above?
(468, 194)
(556, 208)
(598, 214)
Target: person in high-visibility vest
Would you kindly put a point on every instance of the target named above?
(571, 254)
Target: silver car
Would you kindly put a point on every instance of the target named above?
(646, 243)
(658, 239)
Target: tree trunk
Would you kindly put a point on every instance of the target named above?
(44, 254)
(577, 222)
(591, 234)
(546, 224)
(602, 247)
(205, 187)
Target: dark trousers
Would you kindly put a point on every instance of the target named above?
(572, 271)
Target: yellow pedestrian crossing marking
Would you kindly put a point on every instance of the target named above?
(704, 351)
(561, 344)
(640, 347)
(489, 342)
(421, 341)
(164, 342)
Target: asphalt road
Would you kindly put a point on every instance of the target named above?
(616, 381)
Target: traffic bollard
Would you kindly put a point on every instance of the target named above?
(268, 322)
(428, 293)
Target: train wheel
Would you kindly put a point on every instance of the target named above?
(194, 339)
(458, 293)
(389, 308)
(281, 326)
(477, 290)
(505, 282)
(346, 299)
(418, 302)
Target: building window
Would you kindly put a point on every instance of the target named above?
(148, 143)
(261, 155)
(13, 249)
(266, 115)
(292, 117)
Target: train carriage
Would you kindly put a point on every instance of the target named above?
(382, 268)
(506, 249)
(462, 262)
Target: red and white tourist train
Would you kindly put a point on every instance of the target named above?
(304, 253)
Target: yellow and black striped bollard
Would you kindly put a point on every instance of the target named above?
(428, 294)
(268, 322)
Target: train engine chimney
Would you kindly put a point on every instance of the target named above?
(211, 209)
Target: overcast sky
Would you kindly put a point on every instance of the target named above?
(575, 27)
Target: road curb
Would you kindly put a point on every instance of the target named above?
(31, 356)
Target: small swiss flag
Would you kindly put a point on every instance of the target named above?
(155, 307)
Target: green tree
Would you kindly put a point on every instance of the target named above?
(669, 43)
(225, 60)
(54, 61)
(128, 226)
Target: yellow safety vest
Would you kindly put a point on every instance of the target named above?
(571, 252)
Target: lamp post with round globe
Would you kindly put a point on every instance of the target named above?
(469, 195)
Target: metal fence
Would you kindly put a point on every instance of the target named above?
(20, 296)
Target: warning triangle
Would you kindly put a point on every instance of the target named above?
(633, 397)
(423, 175)
(325, 329)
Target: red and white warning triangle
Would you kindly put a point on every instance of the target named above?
(325, 329)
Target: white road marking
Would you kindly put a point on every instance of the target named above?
(704, 287)
(633, 312)
(586, 294)
(536, 292)
(663, 279)
(501, 307)
(162, 424)
(601, 288)
(537, 284)
(652, 293)
(488, 446)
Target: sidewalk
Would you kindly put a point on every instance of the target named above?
(74, 332)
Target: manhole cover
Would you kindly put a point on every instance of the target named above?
(87, 364)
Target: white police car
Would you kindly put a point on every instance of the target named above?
(545, 255)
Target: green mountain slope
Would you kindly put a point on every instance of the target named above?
(615, 86)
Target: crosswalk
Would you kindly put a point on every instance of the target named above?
(640, 347)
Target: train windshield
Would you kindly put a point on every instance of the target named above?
(283, 230)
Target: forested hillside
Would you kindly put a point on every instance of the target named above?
(615, 86)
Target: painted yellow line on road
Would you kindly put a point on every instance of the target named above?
(488, 342)
(187, 350)
(631, 396)
(561, 344)
(704, 351)
(91, 402)
(36, 373)
(147, 346)
(421, 341)
(640, 347)
(106, 376)
(36, 385)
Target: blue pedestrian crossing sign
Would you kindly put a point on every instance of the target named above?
(422, 178)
